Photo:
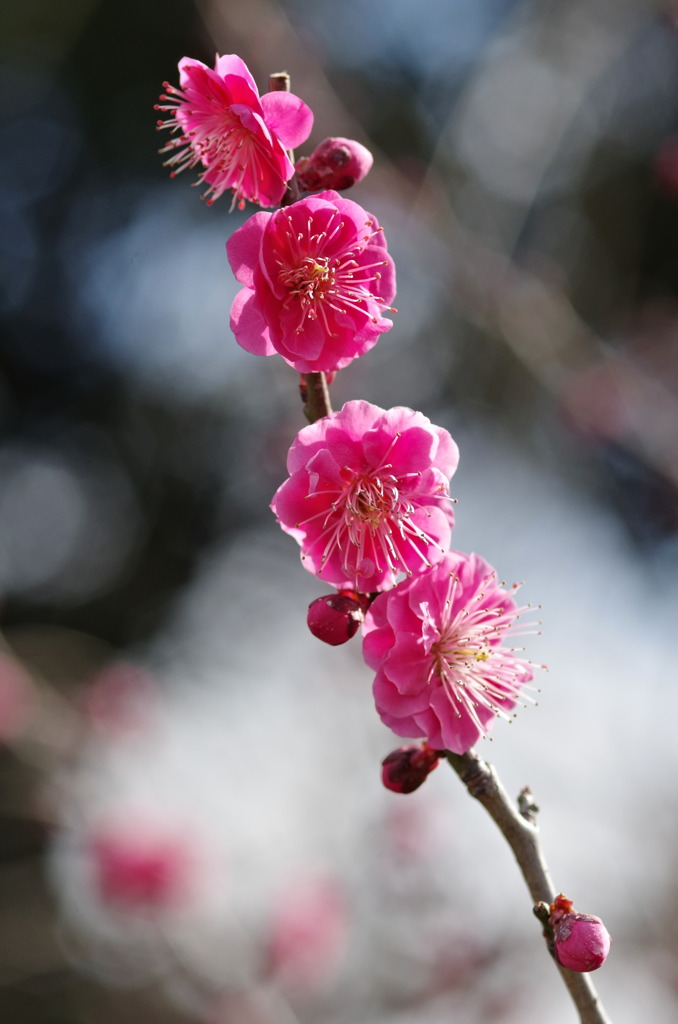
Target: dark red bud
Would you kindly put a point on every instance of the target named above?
(404, 769)
(335, 618)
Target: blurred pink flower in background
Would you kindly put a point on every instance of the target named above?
(140, 865)
(239, 137)
(317, 278)
(435, 642)
(120, 698)
(308, 934)
(368, 495)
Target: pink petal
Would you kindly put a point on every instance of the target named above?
(323, 469)
(407, 665)
(357, 417)
(186, 66)
(249, 326)
(376, 644)
(397, 705)
(288, 117)
(244, 246)
(447, 454)
(231, 65)
(301, 346)
(286, 503)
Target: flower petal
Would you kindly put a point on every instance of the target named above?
(288, 117)
(243, 248)
(249, 326)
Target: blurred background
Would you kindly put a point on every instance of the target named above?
(192, 826)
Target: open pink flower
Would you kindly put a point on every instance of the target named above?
(368, 495)
(435, 642)
(220, 121)
(316, 279)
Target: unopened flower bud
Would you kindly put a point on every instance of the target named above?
(335, 618)
(335, 164)
(581, 941)
(404, 769)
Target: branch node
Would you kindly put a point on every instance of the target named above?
(527, 805)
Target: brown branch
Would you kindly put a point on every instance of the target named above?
(521, 833)
(315, 396)
(280, 81)
(312, 386)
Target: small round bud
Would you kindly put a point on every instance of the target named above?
(581, 941)
(404, 769)
(335, 618)
(334, 163)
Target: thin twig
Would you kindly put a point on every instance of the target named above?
(522, 835)
(280, 81)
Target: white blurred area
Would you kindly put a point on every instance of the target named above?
(265, 752)
(236, 746)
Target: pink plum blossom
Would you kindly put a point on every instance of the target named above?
(120, 699)
(316, 279)
(308, 932)
(435, 642)
(368, 495)
(219, 120)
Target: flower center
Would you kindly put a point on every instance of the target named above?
(478, 674)
(310, 282)
(373, 499)
(453, 651)
(324, 287)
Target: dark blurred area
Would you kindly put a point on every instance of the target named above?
(111, 487)
(528, 155)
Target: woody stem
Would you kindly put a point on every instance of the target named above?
(518, 826)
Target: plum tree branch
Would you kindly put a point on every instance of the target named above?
(517, 823)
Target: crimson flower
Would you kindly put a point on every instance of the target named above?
(435, 642)
(316, 279)
(219, 120)
(368, 495)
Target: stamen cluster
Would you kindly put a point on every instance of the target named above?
(436, 644)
